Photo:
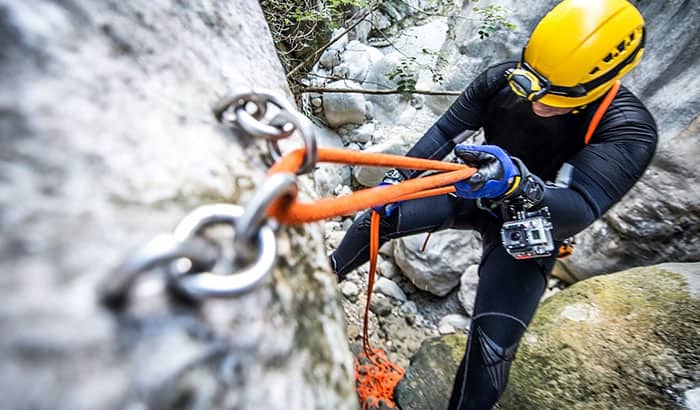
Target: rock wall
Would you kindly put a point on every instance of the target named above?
(108, 139)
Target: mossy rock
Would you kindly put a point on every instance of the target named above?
(629, 340)
(428, 381)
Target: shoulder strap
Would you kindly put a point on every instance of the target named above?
(601, 111)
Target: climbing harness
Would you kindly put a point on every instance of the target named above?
(198, 268)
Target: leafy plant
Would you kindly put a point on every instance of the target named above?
(405, 74)
(299, 27)
(493, 18)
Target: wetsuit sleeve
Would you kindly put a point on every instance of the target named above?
(464, 114)
(604, 171)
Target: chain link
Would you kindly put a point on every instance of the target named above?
(249, 111)
(197, 267)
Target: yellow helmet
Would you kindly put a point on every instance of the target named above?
(577, 52)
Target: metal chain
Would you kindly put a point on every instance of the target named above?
(197, 267)
(249, 114)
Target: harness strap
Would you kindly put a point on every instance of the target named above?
(602, 108)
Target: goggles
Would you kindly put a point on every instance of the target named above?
(526, 82)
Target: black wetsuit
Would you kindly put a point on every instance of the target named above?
(590, 179)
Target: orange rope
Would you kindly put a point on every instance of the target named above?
(375, 376)
(290, 211)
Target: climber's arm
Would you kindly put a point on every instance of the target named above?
(464, 115)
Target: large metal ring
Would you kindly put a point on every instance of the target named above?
(251, 123)
(306, 129)
(199, 285)
(248, 225)
(240, 101)
(281, 126)
(159, 251)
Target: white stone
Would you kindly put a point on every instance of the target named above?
(343, 108)
(409, 308)
(387, 269)
(377, 79)
(579, 312)
(467, 288)
(317, 102)
(330, 58)
(389, 288)
(438, 269)
(452, 323)
(692, 398)
(371, 176)
(341, 190)
(358, 58)
(349, 289)
(362, 134)
(329, 176)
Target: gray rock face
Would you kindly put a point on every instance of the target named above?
(659, 220)
(108, 139)
(438, 269)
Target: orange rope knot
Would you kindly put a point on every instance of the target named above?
(376, 378)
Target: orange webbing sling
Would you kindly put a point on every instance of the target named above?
(375, 376)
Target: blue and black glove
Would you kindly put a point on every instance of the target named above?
(499, 177)
(496, 171)
(392, 177)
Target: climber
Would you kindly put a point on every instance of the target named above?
(535, 114)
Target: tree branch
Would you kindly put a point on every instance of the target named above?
(318, 52)
(375, 92)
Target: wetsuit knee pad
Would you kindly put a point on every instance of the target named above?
(491, 348)
(495, 339)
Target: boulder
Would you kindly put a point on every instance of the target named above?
(359, 58)
(343, 108)
(438, 269)
(377, 79)
(428, 380)
(625, 340)
(453, 323)
(389, 288)
(108, 139)
(331, 57)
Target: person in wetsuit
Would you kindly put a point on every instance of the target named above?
(535, 114)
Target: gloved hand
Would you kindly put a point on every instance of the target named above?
(496, 172)
(392, 177)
